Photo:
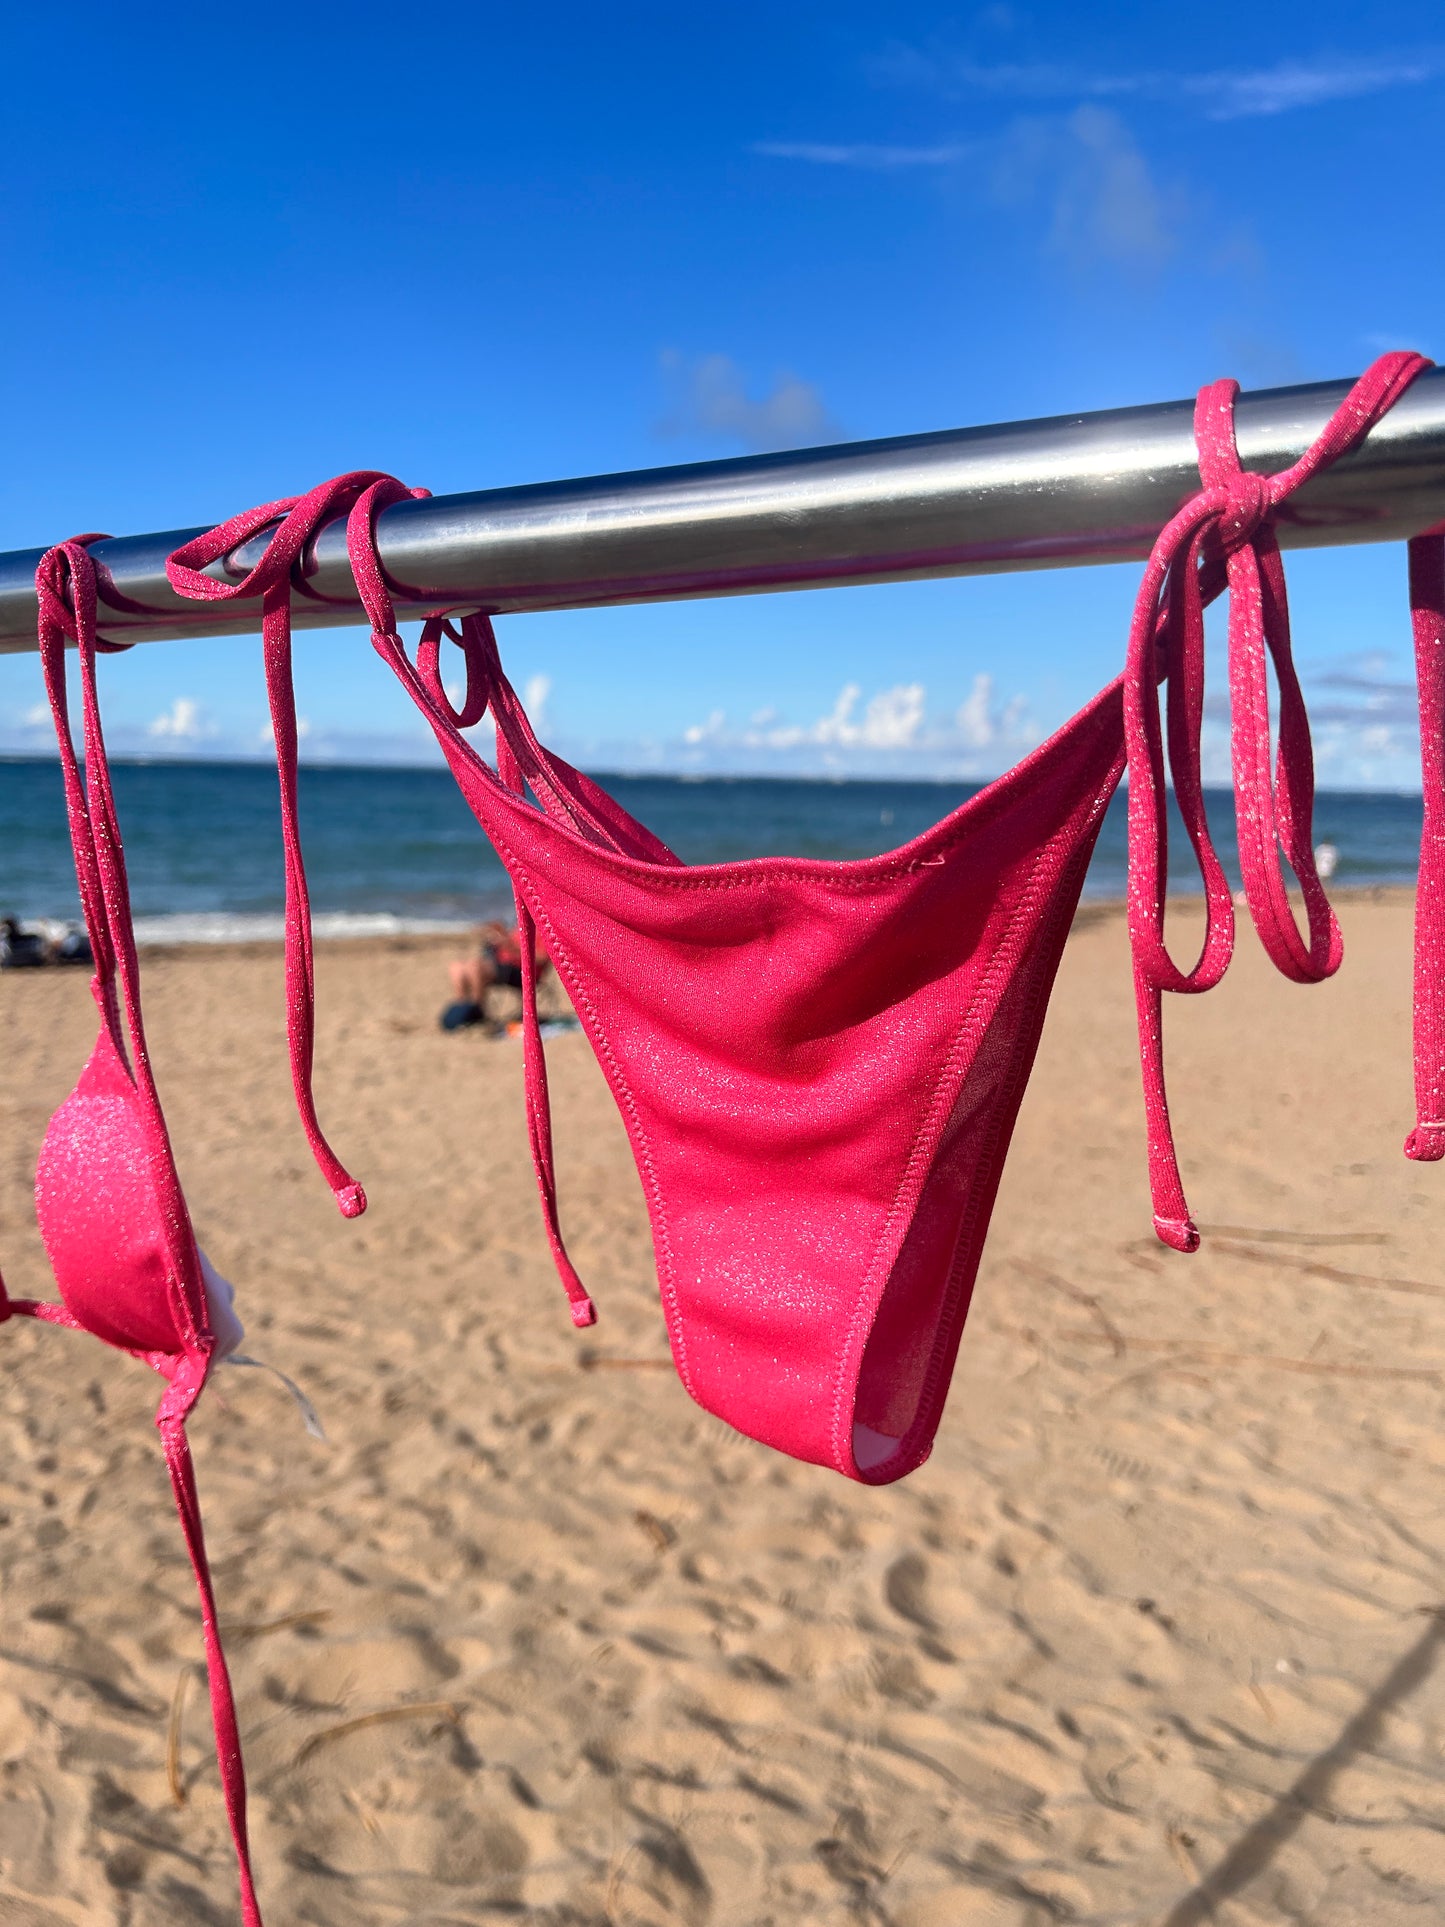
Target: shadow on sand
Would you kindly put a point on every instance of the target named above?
(1255, 1849)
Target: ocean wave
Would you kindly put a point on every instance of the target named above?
(222, 926)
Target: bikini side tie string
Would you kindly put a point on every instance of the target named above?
(516, 751)
(1223, 538)
(534, 1067)
(1426, 1143)
(296, 520)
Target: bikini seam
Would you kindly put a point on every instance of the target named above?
(866, 1308)
(1017, 1085)
(684, 876)
(930, 1123)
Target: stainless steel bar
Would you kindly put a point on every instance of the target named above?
(972, 501)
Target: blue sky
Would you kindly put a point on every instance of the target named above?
(478, 245)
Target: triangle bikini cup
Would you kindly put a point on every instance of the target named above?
(109, 1202)
(818, 1064)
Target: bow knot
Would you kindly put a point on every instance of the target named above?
(1247, 505)
(1223, 537)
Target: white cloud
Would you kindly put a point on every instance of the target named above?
(891, 721)
(188, 728)
(863, 153)
(712, 730)
(982, 723)
(1364, 722)
(535, 692)
(973, 720)
(889, 732)
(184, 722)
(1102, 199)
(1224, 94)
(1084, 169)
(1292, 84)
(712, 399)
(956, 76)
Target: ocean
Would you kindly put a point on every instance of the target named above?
(396, 850)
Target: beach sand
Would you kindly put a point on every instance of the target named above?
(1156, 1636)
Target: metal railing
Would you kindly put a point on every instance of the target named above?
(1024, 495)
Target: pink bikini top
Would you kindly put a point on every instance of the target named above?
(108, 1198)
(109, 1201)
(818, 1064)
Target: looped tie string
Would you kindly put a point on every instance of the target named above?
(1224, 538)
(293, 522)
(428, 667)
(1426, 1143)
(521, 765)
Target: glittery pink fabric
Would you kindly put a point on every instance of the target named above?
(1426, 1143)
(819, 1064)
(1222, 538)
(293, 522)
(819, 1162)
(107, 1195)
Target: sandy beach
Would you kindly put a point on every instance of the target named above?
(1156, 1635)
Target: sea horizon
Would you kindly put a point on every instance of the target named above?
(392, 849)
(600, 773)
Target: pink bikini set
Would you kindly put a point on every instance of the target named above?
(818, 1064)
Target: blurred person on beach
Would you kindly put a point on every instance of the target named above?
(27, 949)
(497, 960)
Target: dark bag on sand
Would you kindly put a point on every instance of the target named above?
(20, 949)
(459, 1015)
